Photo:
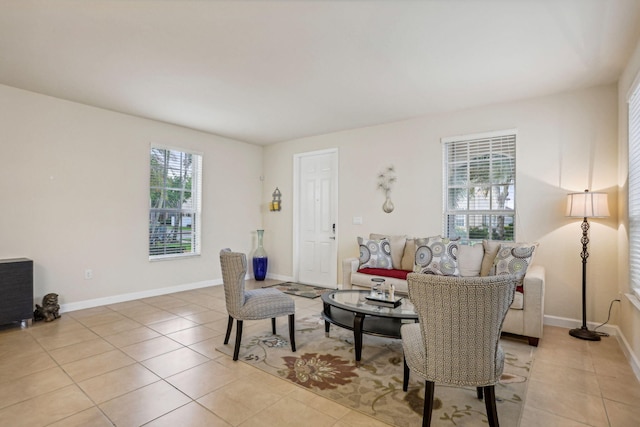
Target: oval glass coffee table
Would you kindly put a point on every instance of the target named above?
(349, 309)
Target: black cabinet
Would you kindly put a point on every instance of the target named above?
(16, 290)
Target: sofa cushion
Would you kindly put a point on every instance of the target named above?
(470, 259)
(491, 248)
(397, 247)
(437, 255)
(364, 280)
(518, 301)
(409, 255)
(375, 253)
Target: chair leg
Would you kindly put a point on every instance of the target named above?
(292, 331)
(490, 404)
(480, 393)
(273, 325)
(229, 326)
(428, 403)
(236, 350)
(405, 378)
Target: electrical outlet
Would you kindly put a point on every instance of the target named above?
(88, 274)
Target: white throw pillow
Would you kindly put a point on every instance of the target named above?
(470, 259)
(409, 255)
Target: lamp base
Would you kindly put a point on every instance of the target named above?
(584, 334)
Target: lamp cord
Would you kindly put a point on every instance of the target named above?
(604, 334)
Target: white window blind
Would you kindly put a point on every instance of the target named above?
(634, 189)
(174, 203)
(479, 186)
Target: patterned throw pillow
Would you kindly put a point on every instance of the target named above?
(437, 255)
(513, 260)
(491, 248)
(397, 247)
(375, 253)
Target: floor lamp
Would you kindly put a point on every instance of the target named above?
(586, 205)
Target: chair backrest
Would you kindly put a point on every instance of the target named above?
(234, 270)
(461, 319)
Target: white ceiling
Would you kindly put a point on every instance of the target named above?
(270, 71)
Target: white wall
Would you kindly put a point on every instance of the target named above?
(65, 204)
(566, 143)
(74, 191)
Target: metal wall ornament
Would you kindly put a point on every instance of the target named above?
(386, 180)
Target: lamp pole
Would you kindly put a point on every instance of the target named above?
(583, 332)
(586, 205)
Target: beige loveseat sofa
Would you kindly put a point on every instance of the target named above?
(526, 315)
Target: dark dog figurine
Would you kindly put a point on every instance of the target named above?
(49, 309)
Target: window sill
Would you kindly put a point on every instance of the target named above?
(634, 300)
(172, 257)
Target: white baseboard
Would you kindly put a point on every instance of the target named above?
(81, 305)
(626, 349)
(564, 322)
(612, 330)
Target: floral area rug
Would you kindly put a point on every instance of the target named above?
(299, 289)
(326, 366)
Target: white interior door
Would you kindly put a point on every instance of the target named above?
(316, 207)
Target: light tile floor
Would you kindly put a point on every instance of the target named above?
(153, 362)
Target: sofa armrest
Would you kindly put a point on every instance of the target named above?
(534, 284)
(349, 265)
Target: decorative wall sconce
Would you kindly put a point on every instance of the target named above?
(276, 203)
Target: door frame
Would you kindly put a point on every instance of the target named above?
(296, 206)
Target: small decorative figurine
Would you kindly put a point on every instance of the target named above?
(49, 309)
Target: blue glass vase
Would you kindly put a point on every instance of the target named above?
(260, 260)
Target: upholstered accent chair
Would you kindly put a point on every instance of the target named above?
(457, 341)
(254, 304)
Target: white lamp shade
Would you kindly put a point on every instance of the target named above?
(587, 205)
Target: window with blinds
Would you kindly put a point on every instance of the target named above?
(479, 186)
(174, 203)
(634, 189)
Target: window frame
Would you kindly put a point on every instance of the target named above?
(473, 143)
(633, 196)
(178, 237)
